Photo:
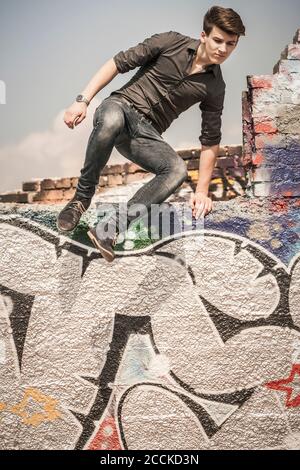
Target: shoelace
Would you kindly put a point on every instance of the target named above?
(114, 240)
(78, 206)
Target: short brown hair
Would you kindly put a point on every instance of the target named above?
(224, 18)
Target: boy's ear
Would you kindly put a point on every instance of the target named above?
(202, 35)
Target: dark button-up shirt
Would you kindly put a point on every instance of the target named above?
(163, 87)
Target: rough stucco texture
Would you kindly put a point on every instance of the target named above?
(194, 345)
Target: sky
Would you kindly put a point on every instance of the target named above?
(51, 49)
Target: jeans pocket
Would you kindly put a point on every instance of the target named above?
(132, 123)
(98, 111)
(96, 116)
(146, 129)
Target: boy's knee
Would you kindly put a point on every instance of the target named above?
(180, 171)
(177, 174)
(109, 125)
(110, 116)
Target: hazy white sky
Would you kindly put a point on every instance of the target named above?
(51, 49)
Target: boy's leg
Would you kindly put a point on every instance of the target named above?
(108, 123)
(149, 150)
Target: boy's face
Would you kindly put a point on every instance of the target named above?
(219, 45)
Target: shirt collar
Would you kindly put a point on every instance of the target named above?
(194, 44)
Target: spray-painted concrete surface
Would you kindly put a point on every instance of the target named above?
(193, 345)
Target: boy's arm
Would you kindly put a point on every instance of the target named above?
(210, 139)
(207, 163)
(200, 202)
(122, 62)
(105, 74)
(145, 51)
(77, 111)
(212, 109)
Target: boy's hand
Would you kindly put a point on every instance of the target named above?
(75, 114)
(201, 204)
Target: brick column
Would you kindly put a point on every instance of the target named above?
(271, 127)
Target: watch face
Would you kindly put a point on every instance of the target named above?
(79, 98)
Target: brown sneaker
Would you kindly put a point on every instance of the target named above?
(70, 215)
(103, 244)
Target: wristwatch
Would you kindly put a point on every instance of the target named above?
(82, 99)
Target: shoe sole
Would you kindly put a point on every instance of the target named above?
(105, 253)
(63, 229)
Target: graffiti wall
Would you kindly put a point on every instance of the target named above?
(192, 345)
(191, 341)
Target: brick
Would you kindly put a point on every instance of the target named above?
(290, 97)
(188, 154)
(228, 162)
(246, 159)
(18, 197)
(287, 67)
(193, 175)
(296, 39)
(69, 193)
(262, 189)
(287, 83)
(269, 140)
(246, 105)
(63, 183)
(74, 181)
(217, 173)
(293, 190)
(284, 174)
(277, 174)
(288, 121)
(262, 126)
(230, 150)
(47, 184)
(193, 164)
(236, 172)
(293, 52)
(293, 141)
(100, 189)
(260, 81)
(285, 189)
(114, 180)
(261, 174)
(284, 53)
(34, 185)
(106, 171)
(49, 195)
(276, 68)
(132, 168)
(134, 177)
(277, 156)
(112, 170)
(8, 197)
(103, 181)
(272, 96)
(258, 158)
(265, 110)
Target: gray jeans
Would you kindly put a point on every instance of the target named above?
(118, 124)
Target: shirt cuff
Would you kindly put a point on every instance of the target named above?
(119, 63)
(210, 142)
